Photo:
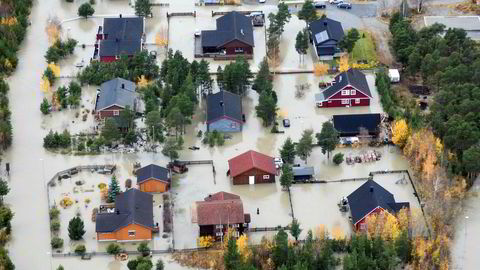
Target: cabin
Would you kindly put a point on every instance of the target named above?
(224, 112)
(114, 96)
(130, 220)
(233, 36)
(371, 198)
(252, 168)
(348, 89)
(350, 125)
(325, 35)
(153, 179)
(302, 174)
(218, 212)
(119, 36)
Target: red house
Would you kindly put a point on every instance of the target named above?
(252, 168)
(119, 36)
(371, 198)
(349, 88)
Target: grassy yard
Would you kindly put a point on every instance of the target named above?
(364, 49)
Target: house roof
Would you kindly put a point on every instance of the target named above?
(220, 208)
(326, 29)
(124, 36)
(370, 196)
(351, 123)
(231, 26)
(300, 171)
(153, 171)
(119, 92)
(224, 104)
(131, 207)
(352, 77)
(251, 160)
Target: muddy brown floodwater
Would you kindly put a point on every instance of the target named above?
(31, 165)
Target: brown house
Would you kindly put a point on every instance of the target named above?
(153, 178)
(218, 212)
(252, 168)
(234, 35)
(114, 96)
(130, 220)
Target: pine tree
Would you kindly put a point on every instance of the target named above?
(266, 108)
(143, 8)
(232, 257)
(263, 80)
(327, 138)
(4, 189)
(295, 229)
(76, 228)
(113, 189)
(44, 106)
(287, 176)
(288, 151)
(305, 145)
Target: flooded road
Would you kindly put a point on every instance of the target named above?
(32, 166)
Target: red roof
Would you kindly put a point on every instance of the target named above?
(220, 208)
(251, 160)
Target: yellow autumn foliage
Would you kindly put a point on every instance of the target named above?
(142, 81)
(161, 38)
(242, 245)
(386, 225)
(7, 64)
(369, 65)
(55, 69)
(205, 241)
(226, 237)
(45, 84)
(338, 233)
(320, 69)
(320, 232)
(400, 132)
(343, 63)
(8, 21)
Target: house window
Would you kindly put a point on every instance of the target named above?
(357, 101)
(116, 113)
(219, 234)
(345, 101)
(266, 176)
(329, 101)
(235, 225)
(239, 50)
(218, 226)
(353, 92)
(345, 92)
(233, 125)
(131, 233)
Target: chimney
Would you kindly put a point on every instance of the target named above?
(123, 86)
(209, 195)
(325, 23)
(371, 188)
(241, 31)
(118, 212)
(221, 103)
(120, 15)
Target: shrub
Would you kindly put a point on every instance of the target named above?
(55, 140)
(60, 50)
(56, 242)
(66, 202)
(144, 249)
(80, 249)
(159, 265)
(85, 10)
(54, 213)
(102, 185)
(113, 249)
(338, 158)
(55, 225)
(76, 228)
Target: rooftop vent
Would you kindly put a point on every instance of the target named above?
(241, 32)
(371, 188)
(221, 103)
(123, 86)
(118, 212)
(325, 23)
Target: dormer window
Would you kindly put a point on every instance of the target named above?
(345, 92)
(353, 92)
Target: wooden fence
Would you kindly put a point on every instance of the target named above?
(244, 12)
(176, 14)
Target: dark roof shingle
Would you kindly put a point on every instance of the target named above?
(220, 209)
(124, 36)
(369, 196)
(117, 91)
(231, 26)
(153, 171)
(350, 124)
(224, 104)
(250, 160)
(351, 77)
(333, 30)
(131, 207)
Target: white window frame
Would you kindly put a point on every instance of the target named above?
(116, 113)
(266, 176)
(132, 233)
(219, 233)
(218, 226)
(235, 225)
(357, 101)
(353, 92)
(345, 92)
(239, 50)
(345, 101)
(233, 125)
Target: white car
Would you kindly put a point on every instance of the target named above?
(335, 1)
(261, 1)
(278, 162)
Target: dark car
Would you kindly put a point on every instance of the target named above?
(286, 123)
(345, 5)
(320, 4)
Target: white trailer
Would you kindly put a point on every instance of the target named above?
(394, 75)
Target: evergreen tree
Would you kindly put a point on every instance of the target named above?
(76, 228)
(349, 40)
(45, 106)
(160, 265)
(4, 189)
(280, 249)
(403, 247)
(143, 8)
(203, 76)
(308, 13)
(236, 76)
(338, 158)
(110, 131)
(287, 176)
(153, 121)
(327, 138)
(263, 80)
(266, 108)
(232, 258)
(295, 229)
(171, 148)
(287, 153)
(85, 10)
(305, 145)
(113, 189)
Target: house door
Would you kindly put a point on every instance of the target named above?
(251, 180)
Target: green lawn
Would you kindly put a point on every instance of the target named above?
(364, 49)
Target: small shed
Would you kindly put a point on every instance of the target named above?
(303, 173)
(394, 75)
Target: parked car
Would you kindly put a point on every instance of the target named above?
(335, 1)
(278, 162)
(286, 122)
(320, 4)
(344, 5)
(261, 1)
(197, 33)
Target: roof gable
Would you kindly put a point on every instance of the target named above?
(352, 77)
(223, 104)
(131, 207)
(251, 160)
(118, 92)
(123, 36)
(326, 29)
(231, 26)
(220, 208)
(153, 171)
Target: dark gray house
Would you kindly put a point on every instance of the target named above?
(234, 35)
(114, 96)
(224, 112)
(325, 34)
(349, 125)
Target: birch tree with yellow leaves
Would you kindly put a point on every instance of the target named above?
(400, 132)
